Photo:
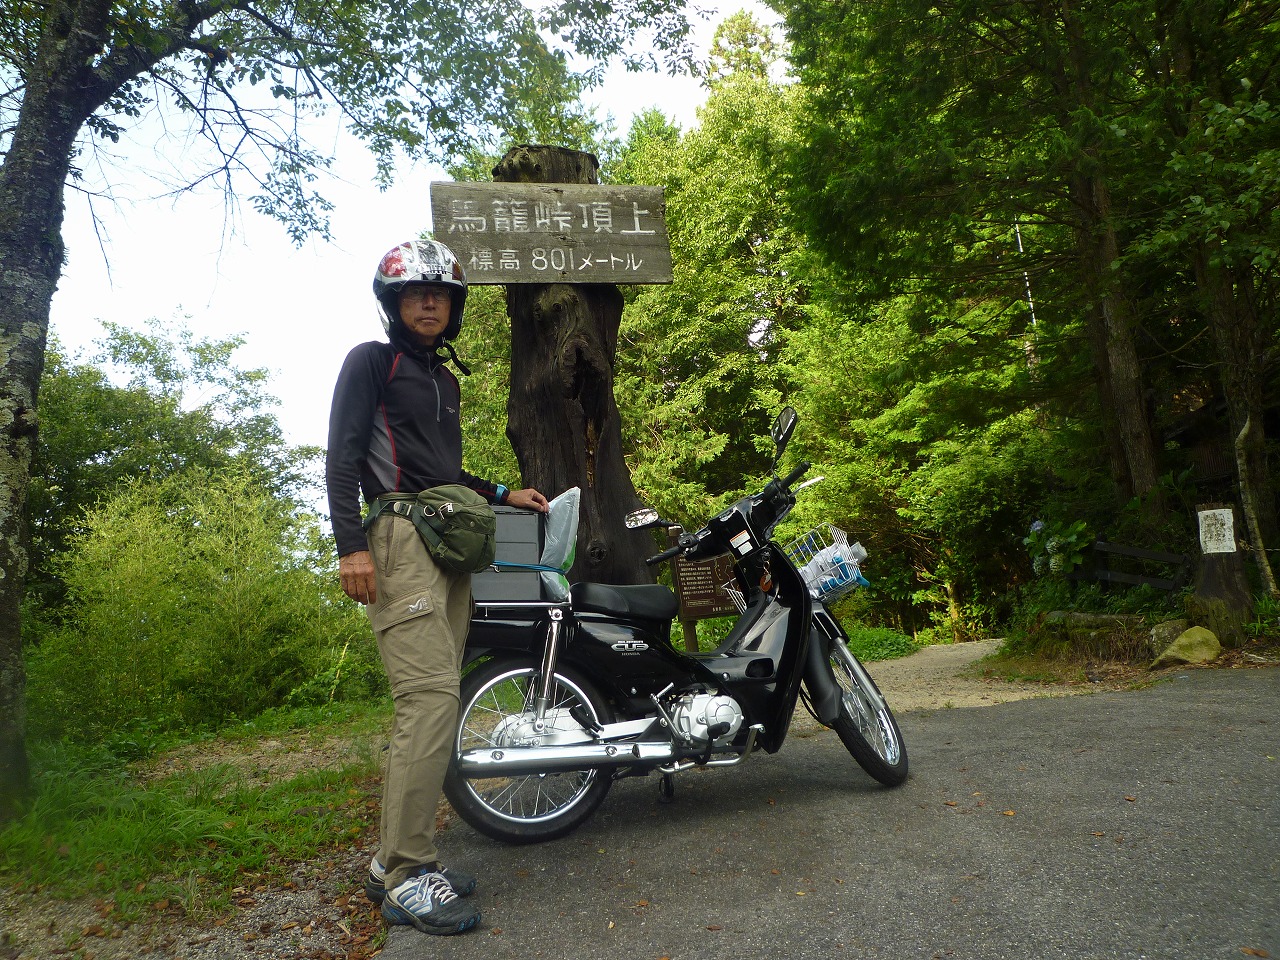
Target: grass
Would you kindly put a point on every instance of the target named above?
(879, 643)
(1031, 668)
(187, 840)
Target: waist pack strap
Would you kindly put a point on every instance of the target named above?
(401, 503)
(406, 504)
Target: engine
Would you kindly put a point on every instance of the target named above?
(706, 717)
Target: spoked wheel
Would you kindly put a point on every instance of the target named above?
(496, 710)
(866, 725)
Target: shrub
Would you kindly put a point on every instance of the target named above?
(192, 600)
(879, 643)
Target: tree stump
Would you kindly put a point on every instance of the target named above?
(1222, 601)
(562, 420)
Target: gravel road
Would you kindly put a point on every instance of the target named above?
(1125, 824)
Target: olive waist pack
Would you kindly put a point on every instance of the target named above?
(457, 524)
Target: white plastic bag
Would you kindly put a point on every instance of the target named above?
(561, 542)
(834, 567)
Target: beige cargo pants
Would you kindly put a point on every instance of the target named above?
(420, 620)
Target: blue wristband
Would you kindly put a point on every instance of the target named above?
(501, 497)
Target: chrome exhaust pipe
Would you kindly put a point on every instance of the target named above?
(482, 762)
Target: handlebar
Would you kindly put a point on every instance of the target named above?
(777, 492)
(666, 554)
(801, 469)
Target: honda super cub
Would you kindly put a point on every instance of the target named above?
(569, 697)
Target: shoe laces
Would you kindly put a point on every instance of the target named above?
(431, 887)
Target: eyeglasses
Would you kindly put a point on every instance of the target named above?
(423, 294)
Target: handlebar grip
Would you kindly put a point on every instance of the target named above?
(801, 469)
(665, 554)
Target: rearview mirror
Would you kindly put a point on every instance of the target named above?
(639, 519)
(783, 427)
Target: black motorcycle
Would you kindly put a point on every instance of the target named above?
(571, 696)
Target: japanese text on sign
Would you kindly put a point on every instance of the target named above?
(700, 585)
(554, 233)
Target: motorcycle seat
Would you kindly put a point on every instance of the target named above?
(648, 601)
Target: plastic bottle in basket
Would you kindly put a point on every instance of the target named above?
(840, 574)
(828, 570)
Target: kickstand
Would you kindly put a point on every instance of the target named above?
(666, 788)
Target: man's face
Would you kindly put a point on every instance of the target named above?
(424, 309)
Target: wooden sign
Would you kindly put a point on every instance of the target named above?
(554, 232)
(699, 585)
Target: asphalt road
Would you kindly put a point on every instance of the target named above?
(1142, 824)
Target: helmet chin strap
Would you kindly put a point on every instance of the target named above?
(462, 367)
(399, 332)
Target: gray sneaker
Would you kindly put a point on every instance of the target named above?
(426, 901)
(375, 884)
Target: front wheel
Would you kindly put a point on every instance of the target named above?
(866, 725)
(496, 710)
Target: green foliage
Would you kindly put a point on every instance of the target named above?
(433, 82)
(485, 347)
(878, 643)
(742, 46)
(1266, 617)
(1057, 548)
(151, 404)
(558, 116)
(698, 381)
(958, 164)
(1035, 599)
(96, 830)
(192, 600)
(922, 422)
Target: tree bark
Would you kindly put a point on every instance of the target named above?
(1109, 313)
(1221, 601)
(1111, 319)
(1244, 352)
(59, 98)
(1229, 296)
(561, 418)
(1119, 463)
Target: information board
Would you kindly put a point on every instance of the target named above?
(507, 233)
(700, 587)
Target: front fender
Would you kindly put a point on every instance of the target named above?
(824, 692)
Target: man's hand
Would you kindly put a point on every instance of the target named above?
(355, 570)
(528, 498)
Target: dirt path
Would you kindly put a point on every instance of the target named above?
(948, 676)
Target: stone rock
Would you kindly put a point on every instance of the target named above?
(1224, 620)
(1163, 634)
(1196, 645)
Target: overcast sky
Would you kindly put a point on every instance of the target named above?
(301, 309)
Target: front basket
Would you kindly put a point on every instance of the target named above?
(829, 563)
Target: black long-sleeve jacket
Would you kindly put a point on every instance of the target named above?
(393, 428)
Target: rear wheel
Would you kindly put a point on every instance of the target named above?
(866, 725)
(496, 710)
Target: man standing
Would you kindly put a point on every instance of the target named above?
(394, 428)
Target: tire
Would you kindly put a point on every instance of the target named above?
(523, 809)
(866, 724)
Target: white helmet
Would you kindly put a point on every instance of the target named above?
(420, 262)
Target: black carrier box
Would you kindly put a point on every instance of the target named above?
(520, 538)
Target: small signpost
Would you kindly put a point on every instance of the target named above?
(699, 586)
(506, 233)
(1222, 600)
(1217, 530)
